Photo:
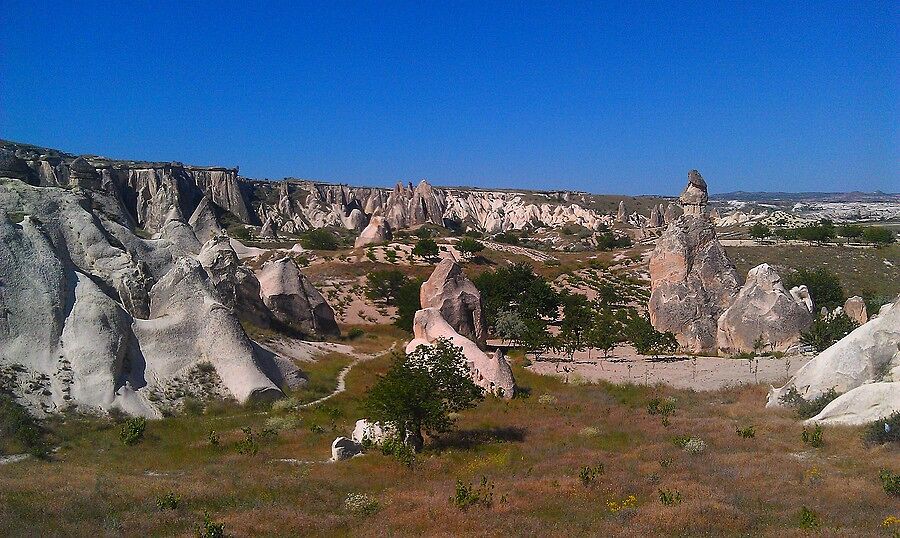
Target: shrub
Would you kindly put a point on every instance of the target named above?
(319, 239)
(168, 501)
(547, 399)
(824, 286)
(355, 333)
(589, 431)
(248, 445)
(425, 248)
(826, 330)
(282, 423)
(361, 504)
(587, 474)
(890, 482)
(468, 495)
(284, 405)
(132, 431)
(747, 432)
(883, 431)
(213, 438)
(401, 451)
(813, 437)
(385, 285)
(626, 503)
(694, 446)
(760, 231)
(670, 498)
(209, 529)
(468, 246)
(808, 408)
(20, 430)
(807, 519)
(663, 408)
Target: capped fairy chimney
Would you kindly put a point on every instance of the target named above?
(695, 196)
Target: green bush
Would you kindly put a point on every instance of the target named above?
(808, 408)
(890, 482)
(824, 286)
(248, 446)
(168, 501)
(807, 519)
(469, 495)
(132, 431)
(355, 333)
(385, 285)
(747, 432)
(426, 248)
(813, 437)
(210, 529)
(826, 330)
(19, 431)
(663, 408)
(319, 239)
(587, 474)
(670, 498)
(886, 430)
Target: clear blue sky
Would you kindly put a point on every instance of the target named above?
(619, 97)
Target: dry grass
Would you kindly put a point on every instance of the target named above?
(530, 451)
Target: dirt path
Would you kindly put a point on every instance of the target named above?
(342, 375)
(696, 373)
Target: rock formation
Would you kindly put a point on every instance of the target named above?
(862, 405)
(656, 218)
(492, 373)
(344, 449)
(855, 308)
(293, 300)
(763, 312)
(692, 280)
(868, 355)
(695, 196)
(378, 231)
(458, 300)
(621, 214)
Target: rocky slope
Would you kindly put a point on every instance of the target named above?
(96, 317)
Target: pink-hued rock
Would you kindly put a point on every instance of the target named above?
(763, 311)
(293, 299)
(377, 231)
(855, 308)
(458, 300)
(492, 373)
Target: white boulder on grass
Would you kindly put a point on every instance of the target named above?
(862, 405)
(371, 432)
(344, 449)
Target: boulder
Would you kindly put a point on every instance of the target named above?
(204, 222)
(868, 354)
(235, 285)
(862, 405)
(457, 299)
(492, 373)
(370, 432)
(378, 231)
(16, 168)
(344, 449)
(855, 308)
(293, 300)
(765, 312)
(695, 196)
(692, 283)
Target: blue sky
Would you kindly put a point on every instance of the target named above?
(616, 97)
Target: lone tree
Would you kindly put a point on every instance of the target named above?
(426, 248)
(385, 285)
(421, 390)
(469, 246)
(760, 231)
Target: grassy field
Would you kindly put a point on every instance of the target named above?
(530, 450)
(862, 271)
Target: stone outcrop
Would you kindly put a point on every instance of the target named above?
(621, 214)
(344, 449)
(204, 222)
(868, 354)
(458, 300)
(236, 285)
(656, 218)
(293, 300)
(377, 231)
(492, 373)
(692, 280)
(763, 311)
(855, 308)
(695, 196)
(862, 405)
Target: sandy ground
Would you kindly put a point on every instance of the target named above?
(624, 365)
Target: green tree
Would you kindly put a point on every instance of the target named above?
(826, 330)
(824, 286)
(385, 285)
(760, 231)
(516, 288)
(421, 390)
(426, 248)
(509, 326)
(575, 323)
(878, 235)
(647, 340)
(850, 231)
(469, 246)
(605, 331)
(408, 303)
(319, 239)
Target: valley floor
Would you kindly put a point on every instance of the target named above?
(576, 459)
